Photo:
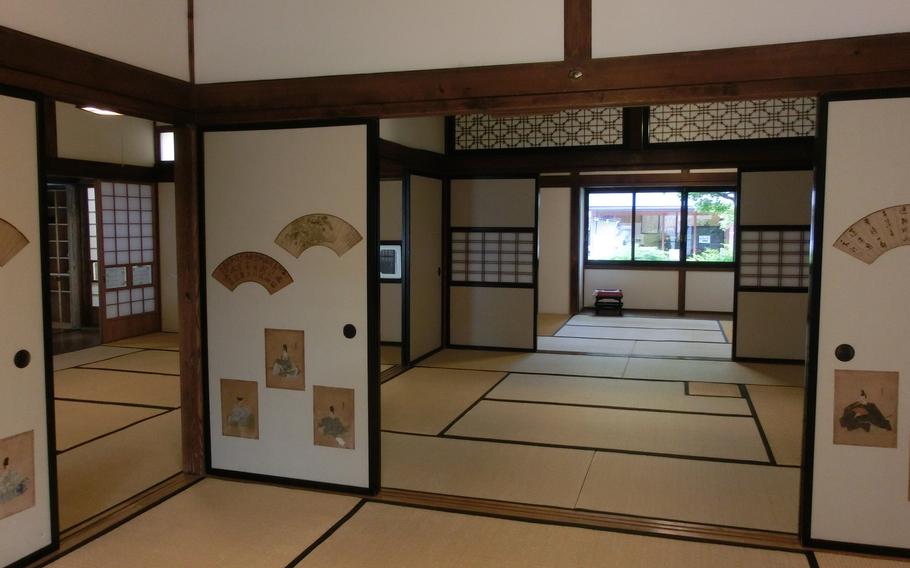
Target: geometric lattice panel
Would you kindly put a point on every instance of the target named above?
(732, 120)
(774, 258)
(601, 126)
(491, 256)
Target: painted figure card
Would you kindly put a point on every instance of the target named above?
(865, 408)
(17, 473)
(333, 417)
(284, 359)
(240, 408)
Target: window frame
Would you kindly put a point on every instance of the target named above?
(684, 191)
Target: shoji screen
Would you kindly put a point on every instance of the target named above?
(493, 241)
(773, 278)
(859, 453)
(291, 273)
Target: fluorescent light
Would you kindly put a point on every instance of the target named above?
(101, 111)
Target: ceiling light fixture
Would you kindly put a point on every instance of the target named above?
(101, 111)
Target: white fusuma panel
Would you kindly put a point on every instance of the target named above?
(863, 303)
(286, 403)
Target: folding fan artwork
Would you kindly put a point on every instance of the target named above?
(876, 233)
(318, 229)
(11, 242)
(252, 267)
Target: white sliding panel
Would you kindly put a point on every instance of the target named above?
(425, 265)
(861, 457)
(26, 497)
(292, 402)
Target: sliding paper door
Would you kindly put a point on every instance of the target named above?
(291, 278)
(859, 457)
(26, 493)
(425, 264)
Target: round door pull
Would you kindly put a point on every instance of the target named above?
(349, 331)
(844, 352)
(22, 358)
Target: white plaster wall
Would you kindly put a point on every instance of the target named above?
(635, 27)
(82, 135)
(553, 239)
(776, 198)
(709, 291)
(148, 34)
(423, 133)
(493, 202)
(167, 250)
(643, 289)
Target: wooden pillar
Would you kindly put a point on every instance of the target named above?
(186, 183)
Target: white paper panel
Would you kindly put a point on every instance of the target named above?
(22, 391)
(426, 261)
(492, 317)
(553, 238)
(634, 27)
(255, 183)
(82, 135)
(423, 133)
(152, 35)
(771, 325)
(270, 39)
(865, 306)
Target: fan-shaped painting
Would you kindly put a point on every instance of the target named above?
(318, 229)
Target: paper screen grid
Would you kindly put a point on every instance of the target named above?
(128, 228)
(774, 258)
(501, 257)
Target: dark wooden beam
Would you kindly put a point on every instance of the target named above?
(574, 241)
(633, 127)
(79, 77)
(189, 297)
(191, 38)
(653, 180)
(50, 127)
(577, 30)
(394, 157)
(85, 169)
(780, 153)
(792, 69)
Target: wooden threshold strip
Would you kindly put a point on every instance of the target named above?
(594, 520)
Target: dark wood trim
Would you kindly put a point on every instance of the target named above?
(80, 77)
(191, 39)
(577, 30)
(779, 153)
(791, 69)
(189, 239)
(634, 127)
(681, 293)
(641, 180)
(50, 127)
(575, 268)
(395, 158)
(88, 170)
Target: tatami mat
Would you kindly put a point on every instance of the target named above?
(733, 438)
(741, 495)
(157, 340)
(780, 410)
(97, 476)
(641, 334)
(383, 368)
(727, 327)
(161, 362)
(485, 470)
(381, 535)
(831, 560)
(390, 354)
(586, 365)
(219, 524)
(682, 349)
(548, 324)
(425, 400)
(613, 392)
(713, 389)
(118, 386)
(715, 371)
(642, 322)
(90, 355)
(78, 422)
(579, 345)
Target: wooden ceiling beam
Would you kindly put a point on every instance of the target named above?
(793, 69)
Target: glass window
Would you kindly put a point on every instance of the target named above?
(166, 146)
(712, 226)
(610, 226)
(657, 223)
